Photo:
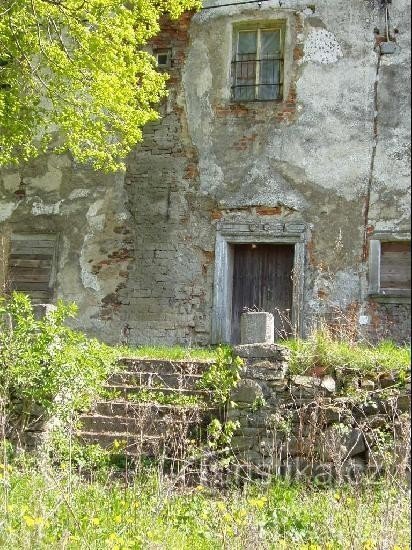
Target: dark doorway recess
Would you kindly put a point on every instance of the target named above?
(262, 281)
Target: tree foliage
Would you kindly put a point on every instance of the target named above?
(78, 67)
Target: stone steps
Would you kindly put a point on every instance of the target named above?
(135, 445)
(121, 424)
(180, 367)
(153, 379)
(149, 428)
(129, 391)
(126, 408)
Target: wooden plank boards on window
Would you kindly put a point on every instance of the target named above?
(31, 265)
(395, 268)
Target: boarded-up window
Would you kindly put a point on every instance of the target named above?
(31, 265)
(395, 268)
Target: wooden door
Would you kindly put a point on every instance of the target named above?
(262, 281)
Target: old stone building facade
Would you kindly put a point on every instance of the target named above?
(276, 179)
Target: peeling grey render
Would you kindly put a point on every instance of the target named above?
(137, 250)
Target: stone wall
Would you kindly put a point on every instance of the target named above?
(335, 427)
(137, 250)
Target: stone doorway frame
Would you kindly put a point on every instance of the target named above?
(244, 232)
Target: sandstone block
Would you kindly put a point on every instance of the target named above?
(267, 370)
(247, 391)
(257, 326)
(262, 351)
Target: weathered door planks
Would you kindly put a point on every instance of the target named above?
(262, 280)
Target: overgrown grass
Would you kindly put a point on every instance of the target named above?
(173, 353)
(321, 351)
(39, 511)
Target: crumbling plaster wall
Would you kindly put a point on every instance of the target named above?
(137, 250)
(87, 210)
(310, 154)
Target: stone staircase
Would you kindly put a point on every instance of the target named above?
(154, 409)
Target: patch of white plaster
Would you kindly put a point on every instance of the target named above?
(211, 176)
(200, 114)
(63, 253)
(94, 208)
(204, 80)
(364, 320)
(40, 208)
(345, 288)
(79, 194)
(322, 47)
(89, 280)
(121, 216)
(265, 186)
(6, 210)
(96, 222)
(342, 288)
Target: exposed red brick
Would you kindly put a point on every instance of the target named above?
(236, 110)
(311, 253)
(216, 214)
(208, 255)
(297, 53)
(268, 210)
(192, 171)
(299, 23)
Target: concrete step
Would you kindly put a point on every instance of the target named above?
(155, 379)
(125, 443)
(124, 408)
(162, 366)
(150, 428)
(166, 425)
(129, 391)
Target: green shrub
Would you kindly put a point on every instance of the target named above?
(222, 376)
(46, 366)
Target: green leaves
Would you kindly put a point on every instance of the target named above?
(321, 351)
(44, 363)
(222, 376)
(77, 69)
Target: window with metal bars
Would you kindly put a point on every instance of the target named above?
(257, 66)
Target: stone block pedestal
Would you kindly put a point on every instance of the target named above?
(257, 327)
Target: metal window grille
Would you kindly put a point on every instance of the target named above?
(257, 79)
